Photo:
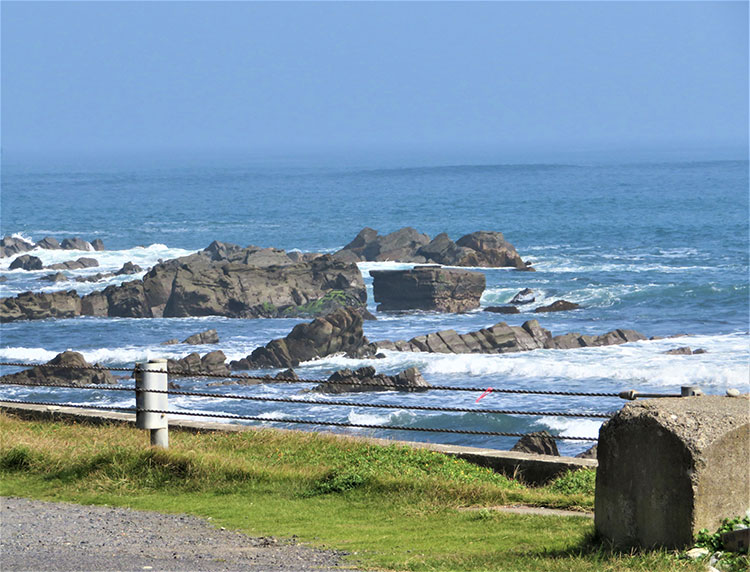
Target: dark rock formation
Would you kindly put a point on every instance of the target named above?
(539, 443)
(525, 296)
(224, 280)
(56, 277)
(79, 264)
(48, 243)
(97, 244)
(502, 309)
(61, 374)
(26, 262)
(207, 337)
(338, 332)
(10, 245)
(365, 379)
(129, 268)
(94, 277)
(287, 374)
(589, 453)
(213, 363)
(37, 306)
(502, 338)
(558, 306)
(684, 351)
(427, 288)
(483, 248)
(76, 243)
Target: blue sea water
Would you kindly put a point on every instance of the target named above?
(660, 248)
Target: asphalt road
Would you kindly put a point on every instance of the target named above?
(40, 536)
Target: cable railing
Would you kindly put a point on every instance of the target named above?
(151, 394)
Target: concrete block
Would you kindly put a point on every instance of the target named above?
(669, 467)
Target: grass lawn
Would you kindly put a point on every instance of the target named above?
(390, 507)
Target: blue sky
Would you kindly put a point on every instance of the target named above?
(457, 82)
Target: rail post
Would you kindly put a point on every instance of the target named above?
(152, 375)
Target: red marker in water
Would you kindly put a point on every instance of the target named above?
(485, 394)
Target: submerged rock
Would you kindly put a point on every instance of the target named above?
(338, 332)
(76, 243)
(525, 296)
(502, 309)
(62, 374)
(558, 306)
(365, 379)
(207, 337)
(79, 264)
(427, 288)
(129, 268)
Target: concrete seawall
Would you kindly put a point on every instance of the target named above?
(533, 469)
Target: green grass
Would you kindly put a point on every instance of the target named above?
(390, 507)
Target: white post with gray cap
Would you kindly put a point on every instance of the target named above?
(151, 376)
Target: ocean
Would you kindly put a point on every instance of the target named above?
(659, 248)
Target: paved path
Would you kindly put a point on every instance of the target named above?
(40, 536)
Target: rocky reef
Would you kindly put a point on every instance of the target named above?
(502, 338)
(222, 280)
(483, 248)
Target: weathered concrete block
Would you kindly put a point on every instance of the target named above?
(669, 467)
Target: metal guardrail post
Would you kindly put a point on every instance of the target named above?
(152, 375)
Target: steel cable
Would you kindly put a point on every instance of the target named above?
(322, 401)
(297, 421)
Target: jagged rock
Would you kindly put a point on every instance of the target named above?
(48, 243)
(227, 280)
(525, 296)
(338, 332)
(589, 453)
(97, 244)
(502, 309)
(287, 374)
(365, 379)
(76, 243)
(213, 363)
(129, 268)
(61, 374)
(56, 277)
(10, 245)
(94, 277)
(502, 338)
(26, 262)
(483, 248)
(207, 337)
(82, 262)
(171, 342)
(37, 306)
(427, 288)
(684, 351)
(490, 249)
(558, 306)
(539, 442)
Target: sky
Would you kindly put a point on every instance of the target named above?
(442, 82)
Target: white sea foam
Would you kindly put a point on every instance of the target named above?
(640, 364)
(573, 427)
